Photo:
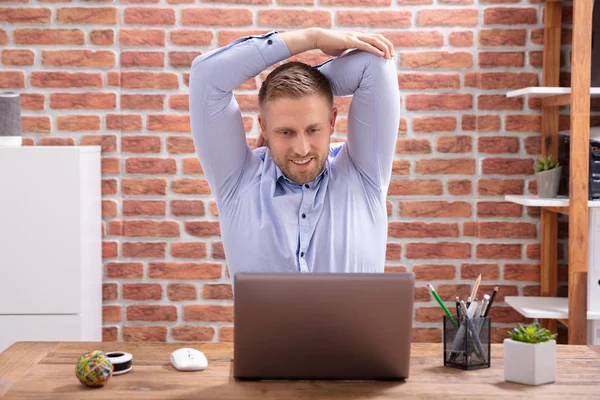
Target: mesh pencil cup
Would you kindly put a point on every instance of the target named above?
(467, 347)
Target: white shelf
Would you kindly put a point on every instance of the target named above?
(546, 91)
(544, 307)
(535, 201)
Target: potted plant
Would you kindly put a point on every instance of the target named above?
(530, 355)
(547, 175)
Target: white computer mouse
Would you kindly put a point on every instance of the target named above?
(186, 359)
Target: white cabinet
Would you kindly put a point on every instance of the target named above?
(50, 244)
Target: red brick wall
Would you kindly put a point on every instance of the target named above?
(116, 74)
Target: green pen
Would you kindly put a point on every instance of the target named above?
(441, 303)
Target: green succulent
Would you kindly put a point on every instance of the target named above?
(545, 164)
(532, 333)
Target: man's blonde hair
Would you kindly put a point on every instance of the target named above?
(294, 79)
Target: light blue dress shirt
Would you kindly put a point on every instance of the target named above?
(338, 222)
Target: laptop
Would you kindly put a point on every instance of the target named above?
(335, 326)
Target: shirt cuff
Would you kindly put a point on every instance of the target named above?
(272, 48)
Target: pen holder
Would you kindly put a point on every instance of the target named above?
(467, 347)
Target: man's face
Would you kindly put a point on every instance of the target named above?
(297, 132)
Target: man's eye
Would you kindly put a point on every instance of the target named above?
(284, 133)
(314, 130)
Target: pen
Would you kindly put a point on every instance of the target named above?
(476, 287)
(485, 302)
(446, 311)
(487, 311)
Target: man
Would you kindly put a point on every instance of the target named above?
(300, 204)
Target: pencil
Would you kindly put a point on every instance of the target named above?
(476, 287)
(491, 301)
(441, 303)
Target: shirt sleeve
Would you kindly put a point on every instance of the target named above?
(215, 117)
(374, 115)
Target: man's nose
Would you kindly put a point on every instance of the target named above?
(301, 145)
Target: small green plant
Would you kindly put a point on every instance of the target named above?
(532, 333)
(545, 164)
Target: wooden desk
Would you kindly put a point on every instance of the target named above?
(47, 370)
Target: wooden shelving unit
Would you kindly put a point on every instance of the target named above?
(576, 206)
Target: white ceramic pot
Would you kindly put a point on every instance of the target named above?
(530, 364)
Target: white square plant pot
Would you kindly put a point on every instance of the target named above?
(528, 363)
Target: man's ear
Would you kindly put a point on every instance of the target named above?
(262, 136)
(333, 117)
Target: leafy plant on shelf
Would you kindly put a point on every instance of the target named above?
(532, 333)
(545, 164)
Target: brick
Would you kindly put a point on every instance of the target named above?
(135, 59)
(109, 208)
(191, 37)
(395, 268)
(448, 292)
(191, 166)
(17, 57)
(190, 186)
(193, 333)
(218, 253)
(142, 291)
(87, 15)
(114, 78)
(435, 209)
(387, 18)
(148, 312)
(415, 38)
(436, 60)
(187, 208)
(439, 102)
(182, 59)
(208, 313)
(445, 166)
(111, 165)
(498, 251)
(63, 79)
(169, 123)
(140, 144)
(12, 79)
(218, 291)
(440, 250)
(414, 187)
(108, 143)
(393, 251)
(498, 209)
(181, 291)
(499, 102)
(226, 334)
(429, 314)
(499, 59)
(216, 16)
(202, 228)
(523, 123)
(188, 250)
(142, 37)
(428, 81)
(109, 186)
(365, 3)
(533, 145)
(25, 15)
(148, 228)
(459, 187)
(76, 123)
(502, 37)
(142, 101)
(145, 333)
(32, 101)
(291, 2)
(3, 37)
(48, 36)
(133, 208)
(179, 102)
(180, 145)
(102, 37)
(499, 187)
(110, 291)
(480, 123)
(124, 123)
(401, 167)
(503, 290)
(81, 101)
(31, 124)
(454, 144)
(149, 16)
(498, 144)
(425, 335)
(487, 271)
(111, 313)
(184, 270)
(500, 230)
(110, 334)
(125, 270)
(294, 18)
(501, 80)
(59, 141)
(422, 230)
(509, 16)
(147, 165)
(434, 124)
(413, 146)
(507, 166)
(144, 250)
(149, 80)
(522, 272)
(434, 272)
(79, 58)
(461, 39)
(448, 17)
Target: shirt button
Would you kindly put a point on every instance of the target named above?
(269, 41)
(302, 254)
(303, 215)
(306, 186)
